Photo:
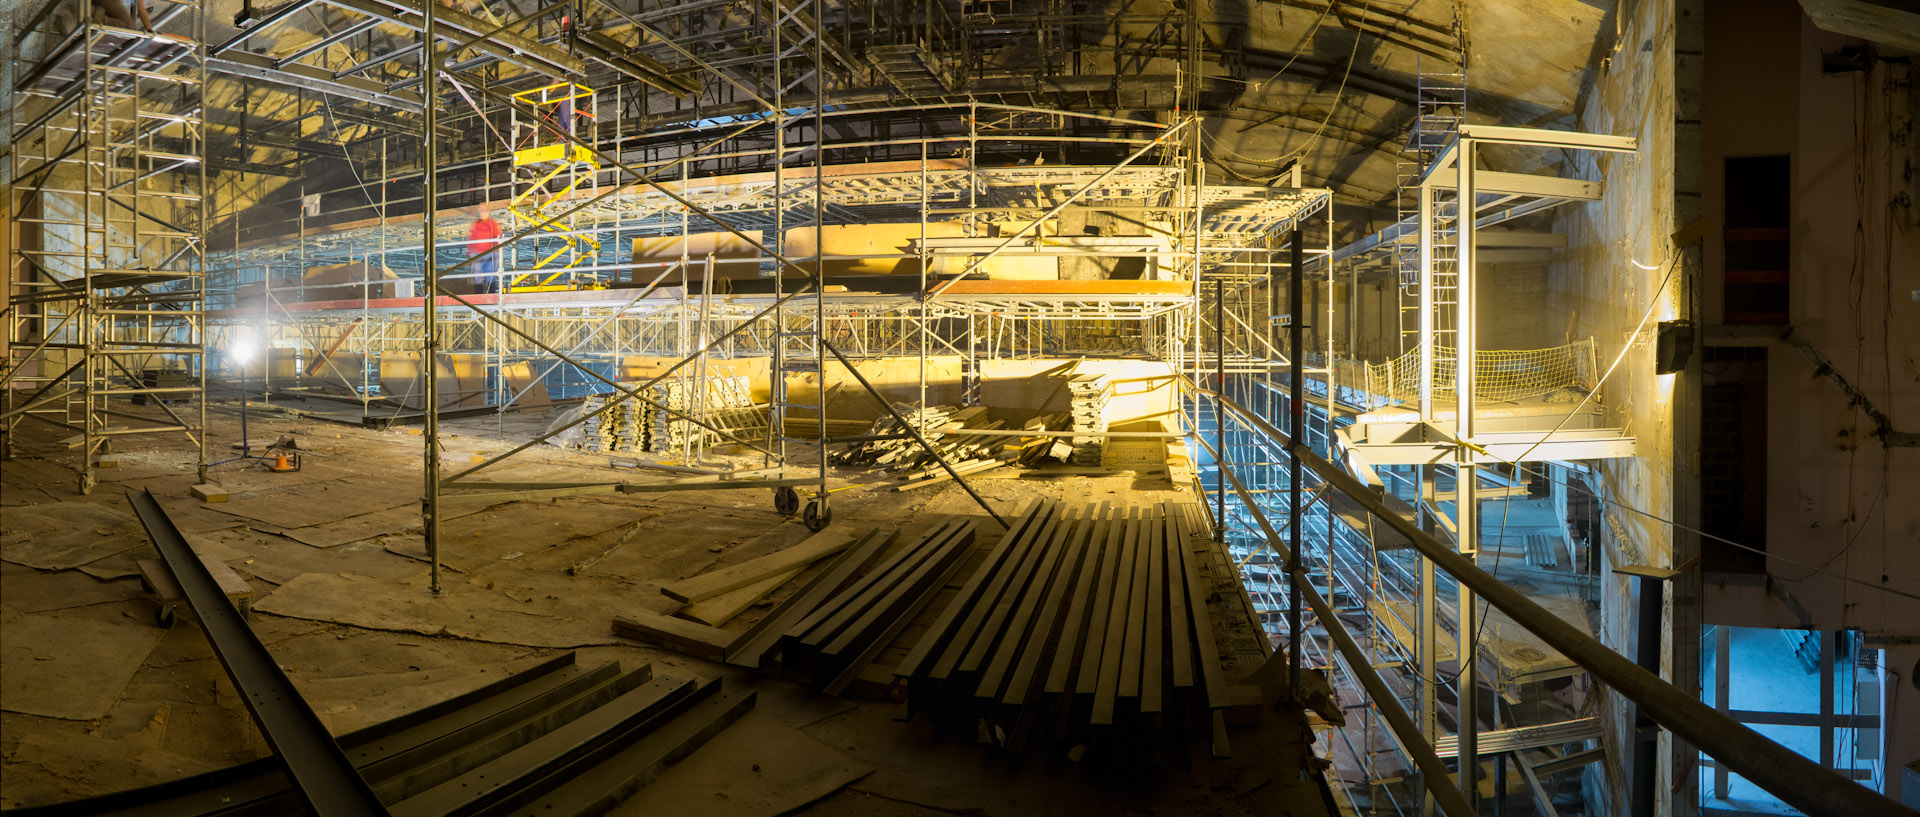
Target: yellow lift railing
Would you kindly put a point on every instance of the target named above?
(563, 169)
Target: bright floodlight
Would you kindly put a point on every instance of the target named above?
(242, 344)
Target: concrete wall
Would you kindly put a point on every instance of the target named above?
(1837, 524)
(1512, 307)
(1840, 519)
(1598, 287)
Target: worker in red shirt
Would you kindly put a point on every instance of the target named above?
(481, 240)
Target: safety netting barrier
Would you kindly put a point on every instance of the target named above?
(1499, 374)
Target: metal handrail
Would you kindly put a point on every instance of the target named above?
(1405, 732)
(1796, 780)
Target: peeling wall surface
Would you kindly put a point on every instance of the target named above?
(1614, 278)
(1839, 518)
(1840, 521)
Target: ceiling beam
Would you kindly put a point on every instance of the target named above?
(256, 67)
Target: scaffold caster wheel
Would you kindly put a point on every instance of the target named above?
(786, 501)
(817, 518)
(86, 484)
(163, 616)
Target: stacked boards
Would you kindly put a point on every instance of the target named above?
(1035, 451)
(634, 426)
(831, 630)
(1081, 622)
(560, 739)
(899, 451)
(1087, 398)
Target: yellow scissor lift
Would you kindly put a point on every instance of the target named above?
(560, 169)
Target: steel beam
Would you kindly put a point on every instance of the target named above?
(303, 51)
(1520, 184)
(321, 774)
(273, 18)
(1542, 137)
(256, 67)
(518, 49)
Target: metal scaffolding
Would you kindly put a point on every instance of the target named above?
(106, 286)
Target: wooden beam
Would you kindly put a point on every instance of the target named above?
(713, 583)
(697, 640)
(753, 647)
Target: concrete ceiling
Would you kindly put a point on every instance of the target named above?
(1329, 86)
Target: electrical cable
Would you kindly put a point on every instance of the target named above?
(1338, 95)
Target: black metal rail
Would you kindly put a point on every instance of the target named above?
(326, 781)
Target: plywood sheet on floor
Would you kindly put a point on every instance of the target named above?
(758, 767)
(64, 535)
(33, 591)
(549, 614)
(70, 667)
(309, 505)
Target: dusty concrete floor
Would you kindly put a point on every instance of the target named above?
(96, 698)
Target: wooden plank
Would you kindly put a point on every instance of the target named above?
(1180, 639)
(1114, 646)
(857, 589)
(856, 647)
(1073, 632)
(1213, 677)
(1025, 575)
(753, 646)
(885, 586)
(1049, 637)
(1088, 680)
(1153, 665)
(209, 492)
(969, 629)
(1018, 631)
(722, 608)
(1049, 629)
(1133, 655)
(715, 582)
(937, 631)
(697, 640)
(976, 467)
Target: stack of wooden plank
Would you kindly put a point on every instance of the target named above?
(1041, 450)
(830, 631)
(1083, 623)
(661, 430)
(936, 425)
(1088, 395)
(633, 426)
(716, 597)
(597, 431)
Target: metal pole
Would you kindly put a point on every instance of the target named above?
(819, 249)
(430, 431)
(1296, 408)
(1425, 379)
(1467, 691)
(1219, 411)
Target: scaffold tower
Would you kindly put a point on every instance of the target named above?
(551, 170)
(105, 307)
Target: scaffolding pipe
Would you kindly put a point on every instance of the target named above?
(1296, 408)
(1433, 770)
